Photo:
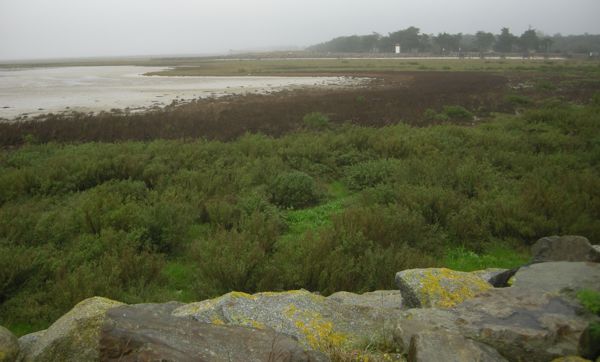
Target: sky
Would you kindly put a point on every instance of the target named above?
(38, 29)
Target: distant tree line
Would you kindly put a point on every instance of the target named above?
(412, 40)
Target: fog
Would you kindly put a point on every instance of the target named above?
(32, 29)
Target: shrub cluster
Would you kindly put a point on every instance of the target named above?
(340, 209)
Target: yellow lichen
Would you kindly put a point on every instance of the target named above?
(320, 333)
(433, 293)
(241, 295)
(217, 321)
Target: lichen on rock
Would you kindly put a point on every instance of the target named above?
(438, 287)
(75, 335)
(317, 322)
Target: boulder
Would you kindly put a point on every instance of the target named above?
(523, 324)
(436, 346)
(498, 278)
(317, 322)
(27, 342)
(558, 276)
(387, 299)
(589, 343)
(564, 248)
(438, 287)
(532, 321)
(75, 335)
(149, 332)
(9, 346)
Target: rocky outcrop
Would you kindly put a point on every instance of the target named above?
(564, 248)
(149, 332)
(436, 315)
(386, 299)
(438, 287)
(9, 346)
(437, 346)
(558, 276)
(27, 342)
(317, 322)
(535, 320)
(74, 336)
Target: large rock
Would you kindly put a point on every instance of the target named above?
(9, 346)
(558, 276)
(387, 299)
(564, 248)
(497, 277)
(521, 326)
(438, 287)
(317, 322)
(436, 346)
(27, 342)
(149, 332)
(75, 335)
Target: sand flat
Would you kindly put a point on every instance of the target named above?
(34, 91)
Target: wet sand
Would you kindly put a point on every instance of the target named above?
(93, 89)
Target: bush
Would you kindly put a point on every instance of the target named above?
(518, 100)
(294, 189)
(316, 121)
(457, 113)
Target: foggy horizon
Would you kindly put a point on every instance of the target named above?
(36, 29)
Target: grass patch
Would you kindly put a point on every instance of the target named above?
(496, 257)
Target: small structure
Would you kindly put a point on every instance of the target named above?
(397, 48)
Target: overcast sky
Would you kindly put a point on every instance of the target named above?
(74, 28)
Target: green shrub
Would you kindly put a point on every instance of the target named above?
(369, 174)
(590, 299)
(518, 100)
(457, 113)
(432, 115)
(316, 121)
(294, 189)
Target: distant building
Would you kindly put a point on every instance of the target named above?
(397, 48)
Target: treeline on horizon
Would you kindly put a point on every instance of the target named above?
(412, 40)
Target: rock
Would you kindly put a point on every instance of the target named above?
(317, 322)
(9, 346)
(390, 299)
(438, 287)
(522, 324)
(436, 346)
(571, 359)
(558, 276)
(149, 332)
(589, 343)
(75, 335)
(418, 321)
(564, 248)
(27, 342)
(497, 277)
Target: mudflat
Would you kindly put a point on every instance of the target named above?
(35, 91)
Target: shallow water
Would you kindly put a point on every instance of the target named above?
(92, 89)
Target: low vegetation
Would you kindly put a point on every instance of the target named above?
(341, 208)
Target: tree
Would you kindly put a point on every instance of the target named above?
(407, 38)
(546, 44)
(484, 41)
(448, 42)
(529, 41)
(505, 41)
